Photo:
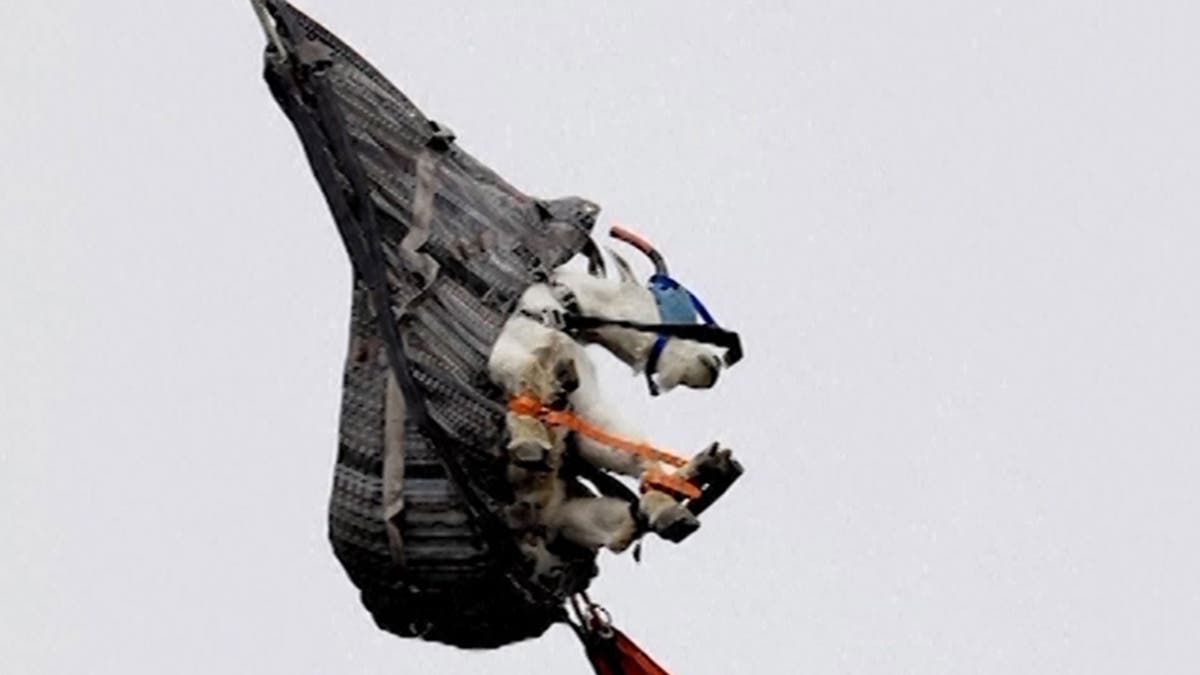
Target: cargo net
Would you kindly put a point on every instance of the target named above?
(449, 246)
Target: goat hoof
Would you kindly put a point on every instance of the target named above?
(529, 455)
(675, 524)
(537, 466)
(712, 463)
(534, 464)
(567, 375)
(560, 401)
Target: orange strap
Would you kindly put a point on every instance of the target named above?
(531, 406)
(670, 483)
(528, 405)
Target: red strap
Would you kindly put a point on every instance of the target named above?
(618, 655)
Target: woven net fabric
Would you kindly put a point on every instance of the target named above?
(442, 248)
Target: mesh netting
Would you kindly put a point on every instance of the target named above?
(449, 247)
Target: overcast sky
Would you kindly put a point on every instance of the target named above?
(959, 239)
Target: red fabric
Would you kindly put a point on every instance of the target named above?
(619, 655)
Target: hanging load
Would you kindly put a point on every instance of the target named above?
(443, 250)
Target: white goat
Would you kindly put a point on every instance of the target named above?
(534, 356)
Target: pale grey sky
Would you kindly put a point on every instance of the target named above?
(959, 239)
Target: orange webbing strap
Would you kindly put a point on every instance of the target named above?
(670, 483)
(531, 406)
(528, 405)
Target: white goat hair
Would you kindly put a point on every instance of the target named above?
(531, 356)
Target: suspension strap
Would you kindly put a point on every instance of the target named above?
(610, 651)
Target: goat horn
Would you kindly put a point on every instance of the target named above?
(623, 268)
(660, 263)
(595, 258)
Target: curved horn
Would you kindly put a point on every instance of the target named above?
(660, 263)
(623, 267)
(596, 265)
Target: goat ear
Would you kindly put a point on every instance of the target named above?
(623, 267)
